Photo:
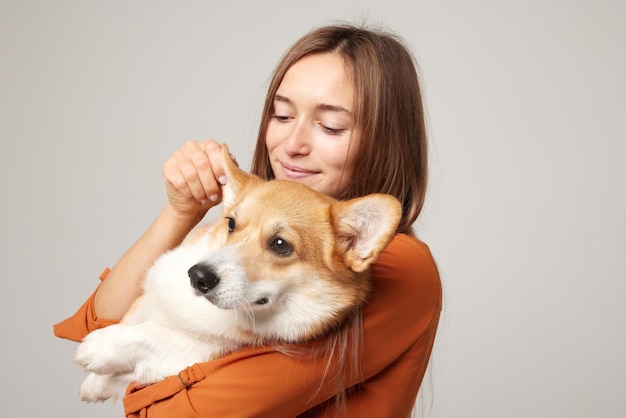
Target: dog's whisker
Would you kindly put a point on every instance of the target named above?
(287, 304)
(249, 311)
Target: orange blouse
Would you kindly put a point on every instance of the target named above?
(400, 323)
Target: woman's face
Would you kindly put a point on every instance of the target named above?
(311, 136)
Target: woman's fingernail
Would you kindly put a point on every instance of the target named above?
(214, 197)
(222, 179)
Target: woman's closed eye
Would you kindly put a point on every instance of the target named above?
(282, 118)
(332, 131)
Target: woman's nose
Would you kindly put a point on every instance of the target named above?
(299, 140)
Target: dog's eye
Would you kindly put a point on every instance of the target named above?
(280, 247)
(231, 224)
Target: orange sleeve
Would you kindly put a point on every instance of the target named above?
(77, 326)
(400, 322)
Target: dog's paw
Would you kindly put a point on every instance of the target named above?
(99, 388)
(103, 352)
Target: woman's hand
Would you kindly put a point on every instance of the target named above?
(193, 177)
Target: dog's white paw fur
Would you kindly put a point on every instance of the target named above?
(99, 387)
(100, 351)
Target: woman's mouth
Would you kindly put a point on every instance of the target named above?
(296, 173)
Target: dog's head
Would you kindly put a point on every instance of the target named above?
(294, 260)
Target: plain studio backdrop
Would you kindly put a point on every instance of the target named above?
(526, 213)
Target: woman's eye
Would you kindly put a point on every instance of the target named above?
(281, 118)
(332, 131)
(231, 224)
(280, 247)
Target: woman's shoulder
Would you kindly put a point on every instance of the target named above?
(406, 254)
(408, 266)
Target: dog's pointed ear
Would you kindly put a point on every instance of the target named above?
(236, 179)
(364, 227)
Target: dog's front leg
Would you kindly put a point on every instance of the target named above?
(112, 350)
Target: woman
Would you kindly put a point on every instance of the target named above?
(344, 116)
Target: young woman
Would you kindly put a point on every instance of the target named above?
(344, 116)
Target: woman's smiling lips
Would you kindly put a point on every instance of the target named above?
(296, 173)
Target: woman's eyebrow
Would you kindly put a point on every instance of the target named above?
(333, 108)
(280, 98)
(321, 106)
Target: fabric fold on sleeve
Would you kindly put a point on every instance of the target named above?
(84, 321)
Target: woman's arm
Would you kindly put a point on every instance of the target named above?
(191, 178)
(124, 282)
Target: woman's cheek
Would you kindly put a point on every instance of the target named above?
(273, 135)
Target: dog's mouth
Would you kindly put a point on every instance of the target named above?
(204, 280)
(224, 303)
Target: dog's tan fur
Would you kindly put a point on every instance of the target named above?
(284, 264)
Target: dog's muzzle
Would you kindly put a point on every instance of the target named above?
(203, 278)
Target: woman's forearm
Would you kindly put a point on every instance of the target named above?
(124, 283)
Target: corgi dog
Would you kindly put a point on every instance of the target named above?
(284, 264)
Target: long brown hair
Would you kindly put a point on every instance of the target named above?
(392, 156)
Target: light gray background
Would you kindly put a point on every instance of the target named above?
(526, 212)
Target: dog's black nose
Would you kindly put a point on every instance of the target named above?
(203, 278)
